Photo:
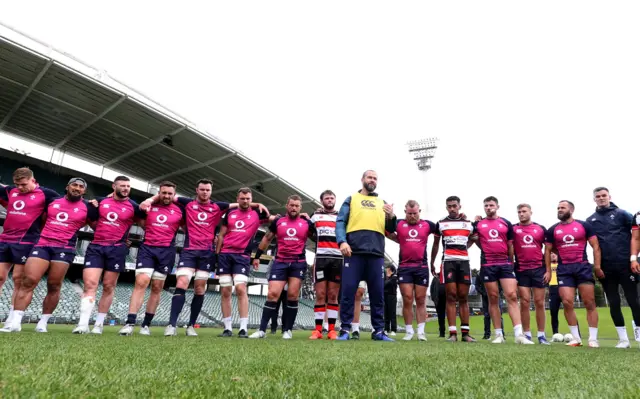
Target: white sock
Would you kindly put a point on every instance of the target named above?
(499, 332)
(421, 328)
(228, 324)
(453, 330)
(517, 330)
(633, 323)
(355, 327)
(527, 333)
(16, 322)
(243, 323)
(541, 334)
(44, 320)
(575, 332)
(409, 328)
(100, 319)
(86, 307)
(622, 333)
(7, 322)
(593, 333)
(325, 326)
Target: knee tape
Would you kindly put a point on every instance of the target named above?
(185, 271)
(202, 275)
(240, 279)
(147, 270)
(158, 276)
(363, 285)
(225, 281)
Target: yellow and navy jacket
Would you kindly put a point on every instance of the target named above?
(361, 223)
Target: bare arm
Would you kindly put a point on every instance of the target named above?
(597, 256)
(264, 243)
(635, 248)
(393, 237)
(221, 234)
(434, 252)
(510, 245)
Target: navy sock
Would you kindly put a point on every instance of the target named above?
(131, 318)
(147, 319)
(267, 311)
(292, 312)
(177, 302)
(196, 306)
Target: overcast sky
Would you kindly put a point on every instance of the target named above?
(532, 102)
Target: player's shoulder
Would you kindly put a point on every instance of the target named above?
(553, 226)
(539, 225)
(505, 220)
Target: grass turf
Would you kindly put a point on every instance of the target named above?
(65, 365)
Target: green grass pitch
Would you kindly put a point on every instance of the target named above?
(64, 365)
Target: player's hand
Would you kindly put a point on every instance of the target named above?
(599, 272)
(388, 209)
(262, 209)
(635, 267)
(146, 205)
(477, 218)
(256, 264)
(547, 277)
(433, 269)
(95, 203)
(110, 195)
(305, 216)
(128, 243)
(345, 249)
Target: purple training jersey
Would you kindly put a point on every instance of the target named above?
(291, 235)
(570, 239)
(242, 225)
(528, 240)
(412, 239)
(115, 220)
(24, 213)
(162, 224)
(200, 222)
(494, 236)
(64, 219)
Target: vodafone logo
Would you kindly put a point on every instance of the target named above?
(62, 217)
(18, 205)
(528, 239)
(413, 233)
(112, 216)
(202, 216)
(493, 233)
(239, 224)
(568, 239)
(161, 218)
(291, 232)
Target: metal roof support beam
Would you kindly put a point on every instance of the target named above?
(26, 94)
(193, 167)
(89, 123)
(238, 186)
(142, 147)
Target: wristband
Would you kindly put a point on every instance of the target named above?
(258, 254)
(634, 258)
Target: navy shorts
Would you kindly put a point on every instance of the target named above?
(16, 254)
(495, 273)
(413, 275)
(109, 258)
(54, 254)
(160, 259)
(532, 278)
(233, 264)
(197, 259)
(282, 271)
(575, 274)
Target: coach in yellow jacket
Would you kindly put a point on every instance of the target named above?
(360, 232)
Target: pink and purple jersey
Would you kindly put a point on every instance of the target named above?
(64, 219)
(494, 236)
(24, 213)
(528, 240)
(162, 224)
(200, 222)
(291, 235)
(570, 239)
(242, 225)
(115, 220)
(413, 239)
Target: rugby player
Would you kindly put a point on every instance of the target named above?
(26, 202)
(289, 267)
(455, 272)
(570, 237)
(156, 256)
(107, 252)
(494, 236)
(412, 234)
(327, 266)
(53, 252)
(531, 271)
(635, 267)
(612, 226)
(360, 231)
(234, 245)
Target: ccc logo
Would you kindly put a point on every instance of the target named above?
(368, 204)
